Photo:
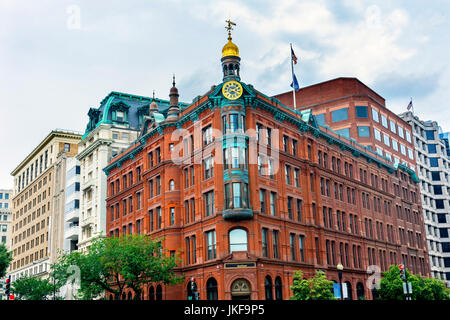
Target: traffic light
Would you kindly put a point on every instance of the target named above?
(402, 271)
(8, 287)
(195, 294)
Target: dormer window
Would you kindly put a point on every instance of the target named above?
(120, 112)
(120, 116)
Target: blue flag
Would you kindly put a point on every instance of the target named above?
(294, 83)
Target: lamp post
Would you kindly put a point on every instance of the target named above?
(340, 267)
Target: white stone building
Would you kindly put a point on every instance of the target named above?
(433, 168)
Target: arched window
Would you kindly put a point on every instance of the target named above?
(111, 297)
(360, 291)
(130, 296)
(211, 289)
(238, 240)
(151, 293)
(159, 292)
(124, 296)
(349, 290)
(268, 288)
(171, 185)
(278, 289)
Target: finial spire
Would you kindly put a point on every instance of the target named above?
(153, 94)
(173, 80)
(229, 27)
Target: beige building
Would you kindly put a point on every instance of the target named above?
(35, 181)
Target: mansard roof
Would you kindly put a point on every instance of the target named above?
(134, 104)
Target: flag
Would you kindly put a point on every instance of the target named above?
(410, 105)
(293, 56)
(294, 83)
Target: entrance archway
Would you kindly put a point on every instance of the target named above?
(240, 290)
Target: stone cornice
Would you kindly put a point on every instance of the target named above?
(52, 135)
(93, 146)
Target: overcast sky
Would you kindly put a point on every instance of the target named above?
(59, 58)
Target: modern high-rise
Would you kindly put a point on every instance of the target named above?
(5, 227)
(66, 199)
(433, 167)
(112, 127)
(72, 205)
(33, 203)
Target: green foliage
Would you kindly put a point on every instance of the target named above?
(315, 288)
(5, 259)
(33, 288)
(391, 286)
(111, 264)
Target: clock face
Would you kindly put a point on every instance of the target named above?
(232, 90)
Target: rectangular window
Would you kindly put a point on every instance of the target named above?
(209, 203)
(207, 135)
(394, 145)
(320, 118)
(208, 167)
(275, 244)
(386, 139)
(262, 200)
(265, 243)
(377, 134)
(384, 121)
(318, 260)
(339, 115)
(375, 116)
(431, 148)
(428, 133)
(344, 132)
(292, 244)
(272, 203)
(172, 216)
(361, 112)
(289, 206)
(392, 125)
(301, 239)
(299, 210)
(211, 244)
(287, 174)
(297, 177)
(434, 162)
(363, 131)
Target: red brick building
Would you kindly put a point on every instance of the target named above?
(248, 191)
(349, 107)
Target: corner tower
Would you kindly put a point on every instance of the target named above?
(235, 141)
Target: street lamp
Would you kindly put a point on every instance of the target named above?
(340, 267)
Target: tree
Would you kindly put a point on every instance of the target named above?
(5, 259)
(33, 288)
(111, 264)
(315, 288)
(391, 286)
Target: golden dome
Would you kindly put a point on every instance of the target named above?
(230, 49)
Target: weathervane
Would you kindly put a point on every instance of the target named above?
(229, 27)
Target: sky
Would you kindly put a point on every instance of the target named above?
(59, 58)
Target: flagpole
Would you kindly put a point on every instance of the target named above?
(293, 89)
